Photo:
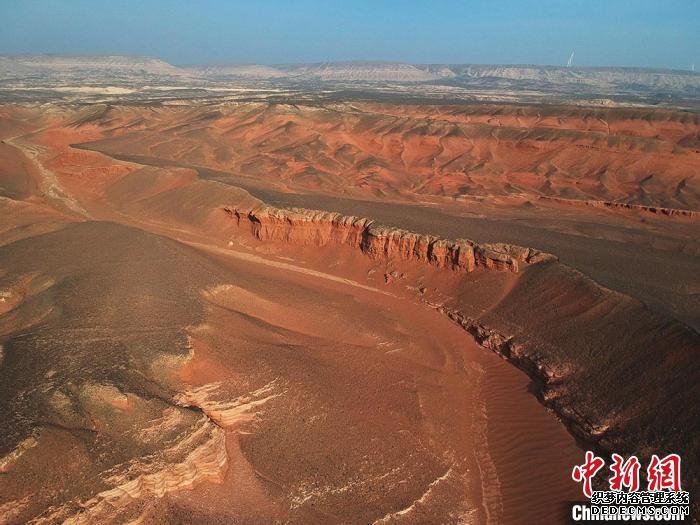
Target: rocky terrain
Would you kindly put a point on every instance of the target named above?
(568, 367)
(317, 312)
(321, 228)
(638, 157)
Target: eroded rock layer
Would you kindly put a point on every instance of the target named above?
(318, 228)
(639, 156)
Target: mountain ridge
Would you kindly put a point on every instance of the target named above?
(45, 59)
(55, 76)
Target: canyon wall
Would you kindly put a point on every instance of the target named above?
(318, 228)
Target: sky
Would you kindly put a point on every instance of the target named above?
(640, 33)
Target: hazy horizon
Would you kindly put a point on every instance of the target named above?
(643, 34)
(340, 61)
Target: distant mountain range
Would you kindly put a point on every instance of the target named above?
(98, 70)
(28, 64)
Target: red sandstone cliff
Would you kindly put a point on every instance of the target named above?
(312, 227)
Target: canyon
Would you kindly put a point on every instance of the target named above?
(340, 311)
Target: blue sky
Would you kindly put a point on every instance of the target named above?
(646, 33)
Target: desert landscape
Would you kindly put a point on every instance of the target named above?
(293, 304)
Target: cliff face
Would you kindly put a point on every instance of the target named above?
(318, 228)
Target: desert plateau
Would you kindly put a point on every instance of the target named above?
(341, 292)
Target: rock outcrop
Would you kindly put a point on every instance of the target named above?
(625, 206)
(201, 457)
(319, 228)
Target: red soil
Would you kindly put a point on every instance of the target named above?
(206, 357)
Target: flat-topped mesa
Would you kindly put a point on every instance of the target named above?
(319, 228)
